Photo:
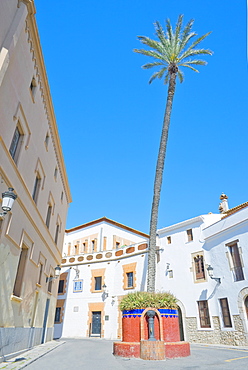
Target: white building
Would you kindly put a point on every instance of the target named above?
(102, 261)
(212, 309)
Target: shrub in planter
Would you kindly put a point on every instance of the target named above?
(135, 300)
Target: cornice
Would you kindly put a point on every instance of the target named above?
(109, 221)
(30, 6)
(180, 225)
(42, 80)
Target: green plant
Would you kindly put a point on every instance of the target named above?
(135, 300)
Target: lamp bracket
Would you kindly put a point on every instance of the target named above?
(50, 278)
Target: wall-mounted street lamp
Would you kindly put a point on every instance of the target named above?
(104, 288)
(7, 202)
(211, 274)
(56, 274)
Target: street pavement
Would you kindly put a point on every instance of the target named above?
(96, 354)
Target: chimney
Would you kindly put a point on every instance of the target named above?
(223, 206)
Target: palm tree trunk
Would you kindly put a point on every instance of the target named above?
(151, 273)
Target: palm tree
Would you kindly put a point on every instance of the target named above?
(174, 49)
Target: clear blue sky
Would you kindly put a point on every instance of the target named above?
(110, 118)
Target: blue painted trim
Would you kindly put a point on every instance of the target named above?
(164, 312)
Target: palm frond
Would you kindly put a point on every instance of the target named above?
(188, 66)
(151, 43)
(158, 74)
(149, 53)
(163, 40)
(200, 39)
(170, 35)
(196, 62)
(185, 41)
(178, 28)
(160, 33)
(180, 75)
(151, 65)
(176, 40)
(196, 42)
(190, 53)
(187, 31)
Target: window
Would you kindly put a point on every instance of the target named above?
(199, 267)
(56, 173)
(98, 283)
(117, 245)
(62, 196)
(20, 271)
(77, 286)
(97, 280)
(76, 248)
(236, 262)
(129, 276)
(93, 246)
(130, 279)
(61, 287)
(56, 234)
(168, 239)
(225, 313)
(16, 144)
(204, 314)
(57, 315)
(189, 235)
(40, 273)
(49, 288)
(37, 185)
(47, 140)
(48, 217)
(84, 247)
(33, 86)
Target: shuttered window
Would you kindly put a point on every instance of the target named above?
(199, 267)
(204, 314)
(225, 313)
(237, 266)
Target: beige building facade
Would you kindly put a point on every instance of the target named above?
(31, 162)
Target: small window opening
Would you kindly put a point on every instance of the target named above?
(190, 235)
(129, 279)
(98, 283)
(56, 173)
(61, 286)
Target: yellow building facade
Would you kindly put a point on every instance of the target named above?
(31, 162)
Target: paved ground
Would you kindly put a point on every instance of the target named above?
(96, 354)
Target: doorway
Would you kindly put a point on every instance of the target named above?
(96, 323)
(45, 322)
(180, 321)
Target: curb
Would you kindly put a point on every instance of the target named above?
(30, 356)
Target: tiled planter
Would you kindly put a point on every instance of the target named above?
(131, 325)
(135, 341)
